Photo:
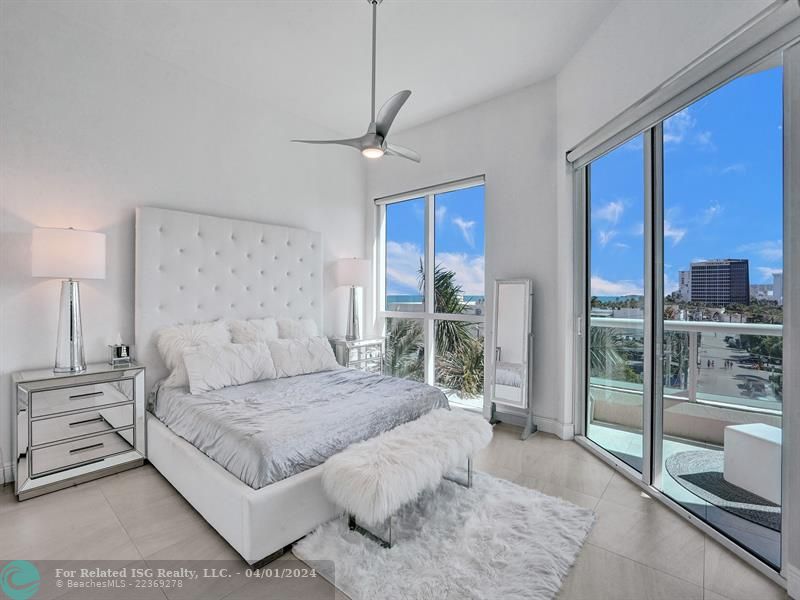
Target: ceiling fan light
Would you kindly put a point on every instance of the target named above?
(372, 152)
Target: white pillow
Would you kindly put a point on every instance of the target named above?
(253, 331)
(172, 341)
(215, 367)
(297, 329)
(298, 357)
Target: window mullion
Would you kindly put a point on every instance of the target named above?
(429, 323)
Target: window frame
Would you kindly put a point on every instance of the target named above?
(427, 315)
(735, 56)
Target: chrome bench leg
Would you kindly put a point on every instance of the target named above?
(353, 526)
(468, 482)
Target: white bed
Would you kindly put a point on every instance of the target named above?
(193, 268)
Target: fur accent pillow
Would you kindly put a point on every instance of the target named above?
(253, 331)
(297, 329)
(299, 357)
(215, 367)
(171, 342)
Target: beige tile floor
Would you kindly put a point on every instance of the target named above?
(637, 550)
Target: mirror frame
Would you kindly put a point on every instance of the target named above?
(528, 346)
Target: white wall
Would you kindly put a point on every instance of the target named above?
(91, 128)
(512, 141)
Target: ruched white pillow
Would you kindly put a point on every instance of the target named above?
(299, 357)
(216, 367)
(172, 341)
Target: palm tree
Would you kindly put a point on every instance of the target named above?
(447, 298)
(459, 353)
(405, 349)
(603, 353)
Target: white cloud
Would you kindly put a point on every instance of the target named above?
(624, 287)
(678, 126)
(611, 212)
(402, 267)
(638, 229)
(676, 234)
(466, 228)
(767, 273)
(606, 236)
(469, 269)
(771, 250)
(440, 211)
(711, 213)
(703, 139)
(670, 285)
(621, 246)
(734, 168)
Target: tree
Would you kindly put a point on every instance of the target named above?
(459, 353)
(405, 349)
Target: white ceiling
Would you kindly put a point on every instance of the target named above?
(313, 57)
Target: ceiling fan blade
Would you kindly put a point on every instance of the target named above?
(393, 150)
(353, 142)
(389, 111)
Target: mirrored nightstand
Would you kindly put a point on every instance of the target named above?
(364, 354)
(73, 428)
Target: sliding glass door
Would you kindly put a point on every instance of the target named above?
(615, 395)
(722, 384)
(684, 297)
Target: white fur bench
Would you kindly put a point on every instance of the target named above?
(371, 480)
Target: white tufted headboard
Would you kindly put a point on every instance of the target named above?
(192, 268)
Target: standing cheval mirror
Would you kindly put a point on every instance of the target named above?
(512, 342)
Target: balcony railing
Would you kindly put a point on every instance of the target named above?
(710, 365)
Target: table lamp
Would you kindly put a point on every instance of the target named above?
(355, 273)
(69, 254)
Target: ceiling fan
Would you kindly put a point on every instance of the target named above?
(373, 144)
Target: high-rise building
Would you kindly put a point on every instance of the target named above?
(685, 285)
(721, 281)
(777, 287)
(761, 291)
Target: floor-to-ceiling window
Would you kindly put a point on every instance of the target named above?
(683, 298)
(723, 309)
(432, 297)
(616, 196)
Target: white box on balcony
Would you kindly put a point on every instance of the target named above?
(752, 459)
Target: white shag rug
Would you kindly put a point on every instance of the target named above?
(494, 540)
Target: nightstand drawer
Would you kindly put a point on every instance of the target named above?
(374, 365)
(365, 352)
(50, 402)
(55, 429)
(61, 456)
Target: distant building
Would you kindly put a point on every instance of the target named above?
(685, 285)
(777, 288)
(628, 313)
(761, 291)
(721, 281)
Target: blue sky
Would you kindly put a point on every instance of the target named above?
(459, 240)
(722, 189)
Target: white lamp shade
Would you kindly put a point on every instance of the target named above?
(352, 271)
(68, 254)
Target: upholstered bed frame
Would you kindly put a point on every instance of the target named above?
(192, 268)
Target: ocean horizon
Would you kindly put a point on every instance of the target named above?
(417, 298)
